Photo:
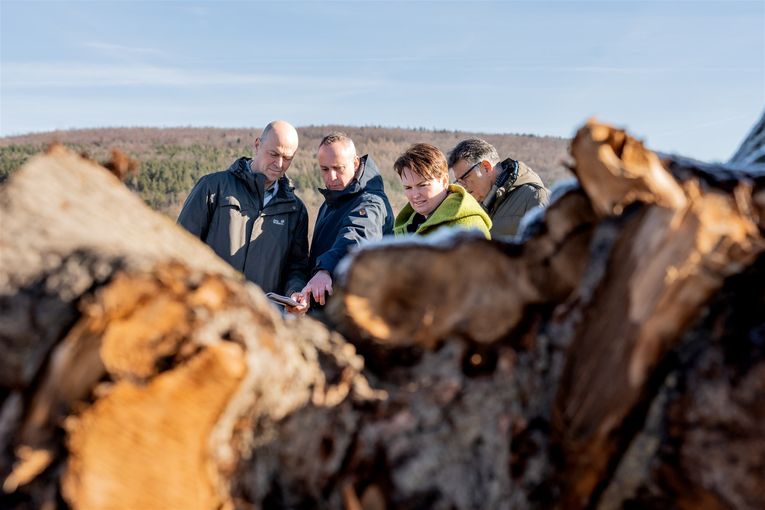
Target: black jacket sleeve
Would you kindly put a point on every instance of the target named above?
(364, 223)
(198, 209)
(296, 270)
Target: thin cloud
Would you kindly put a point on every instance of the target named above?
(629, 69)
(40, 75)
(120, 50)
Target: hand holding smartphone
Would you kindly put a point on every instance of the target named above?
(282, 300)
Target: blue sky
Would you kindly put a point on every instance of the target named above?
(687, 76)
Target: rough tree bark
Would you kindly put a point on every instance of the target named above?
(614, 357)
(752, 149)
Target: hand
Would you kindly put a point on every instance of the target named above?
(317, 286)
(302, 308)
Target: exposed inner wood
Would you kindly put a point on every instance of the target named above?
(612, 358)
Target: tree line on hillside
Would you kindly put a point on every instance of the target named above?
(172, 159)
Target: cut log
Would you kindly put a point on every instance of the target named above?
(612, 357)
(67, 225)
(474, 288)
(666, 264)
(144, 388)
(702, 444)
(662, 245)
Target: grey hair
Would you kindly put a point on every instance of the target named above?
(266, 131)
(473, 150)
(337, 136)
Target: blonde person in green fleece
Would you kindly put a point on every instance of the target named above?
(433, 202)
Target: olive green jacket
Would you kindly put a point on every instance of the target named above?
(507, 204)
(459, 209)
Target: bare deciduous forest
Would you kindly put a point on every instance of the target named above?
(172, 159)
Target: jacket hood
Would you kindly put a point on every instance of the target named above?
(367, 179)
(255, 181)
(527, 176)
(458, 205)
(518, 174)
(515, 174)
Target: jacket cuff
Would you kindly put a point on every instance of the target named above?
(326, 264)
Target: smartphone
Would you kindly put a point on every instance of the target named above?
(282, 300)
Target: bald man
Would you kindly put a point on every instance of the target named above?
(249, 214)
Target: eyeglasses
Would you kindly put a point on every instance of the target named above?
(461, 178)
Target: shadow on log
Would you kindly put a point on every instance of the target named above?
(612, 357)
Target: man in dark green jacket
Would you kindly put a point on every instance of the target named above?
(355, 210)
(506, 189)
(249, 214)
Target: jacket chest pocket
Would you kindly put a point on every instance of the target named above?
(231, 207)
(275, 231)
(233, 217)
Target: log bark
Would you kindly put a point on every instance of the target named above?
(751, 152)
(655, 247)
(611, 357)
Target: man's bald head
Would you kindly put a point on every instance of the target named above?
(279, 128)
(274, 150)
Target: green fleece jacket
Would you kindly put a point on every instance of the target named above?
(459, 209)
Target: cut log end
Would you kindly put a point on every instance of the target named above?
(612, 359)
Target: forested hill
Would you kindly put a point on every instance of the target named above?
(172, 159)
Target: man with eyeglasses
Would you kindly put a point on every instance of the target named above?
(506, 189)
(249, 214)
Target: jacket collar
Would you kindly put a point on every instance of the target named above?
(504, 182)
(457, 205)
(256, 182)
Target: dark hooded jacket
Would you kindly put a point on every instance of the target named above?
(349, 217)
(518, 189)
(268, 244)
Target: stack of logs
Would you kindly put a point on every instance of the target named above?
(611, 357)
